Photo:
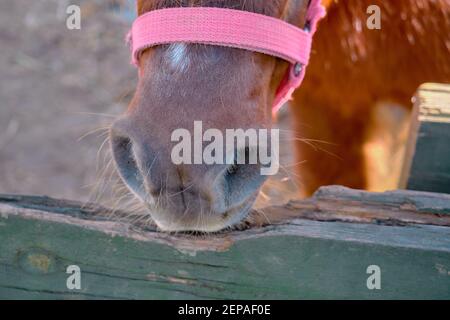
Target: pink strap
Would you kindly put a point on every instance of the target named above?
(231, 28)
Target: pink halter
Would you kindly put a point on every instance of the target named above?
(232, 28)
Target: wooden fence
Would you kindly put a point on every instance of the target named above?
(339, 244)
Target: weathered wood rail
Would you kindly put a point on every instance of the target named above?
(427, 161)
(316, 248)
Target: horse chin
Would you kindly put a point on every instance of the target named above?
(213, 222)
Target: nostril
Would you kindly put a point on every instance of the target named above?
(127, 165)
(232, 169)
(241, 162)
(243, 176)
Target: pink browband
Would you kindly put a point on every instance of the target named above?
(232, 28)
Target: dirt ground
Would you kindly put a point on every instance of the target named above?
(59, 87)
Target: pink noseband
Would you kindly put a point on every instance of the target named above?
(232, 28)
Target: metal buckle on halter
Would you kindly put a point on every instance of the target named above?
(307, 26)
(298, 68)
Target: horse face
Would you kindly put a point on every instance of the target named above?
(181, 86)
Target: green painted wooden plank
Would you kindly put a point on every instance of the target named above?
(429, 147)
(431, 165)
(296, 259)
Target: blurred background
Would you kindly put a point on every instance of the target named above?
(57, 86)
(60, 89)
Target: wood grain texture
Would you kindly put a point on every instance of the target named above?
(427, 165)
(320, 253)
